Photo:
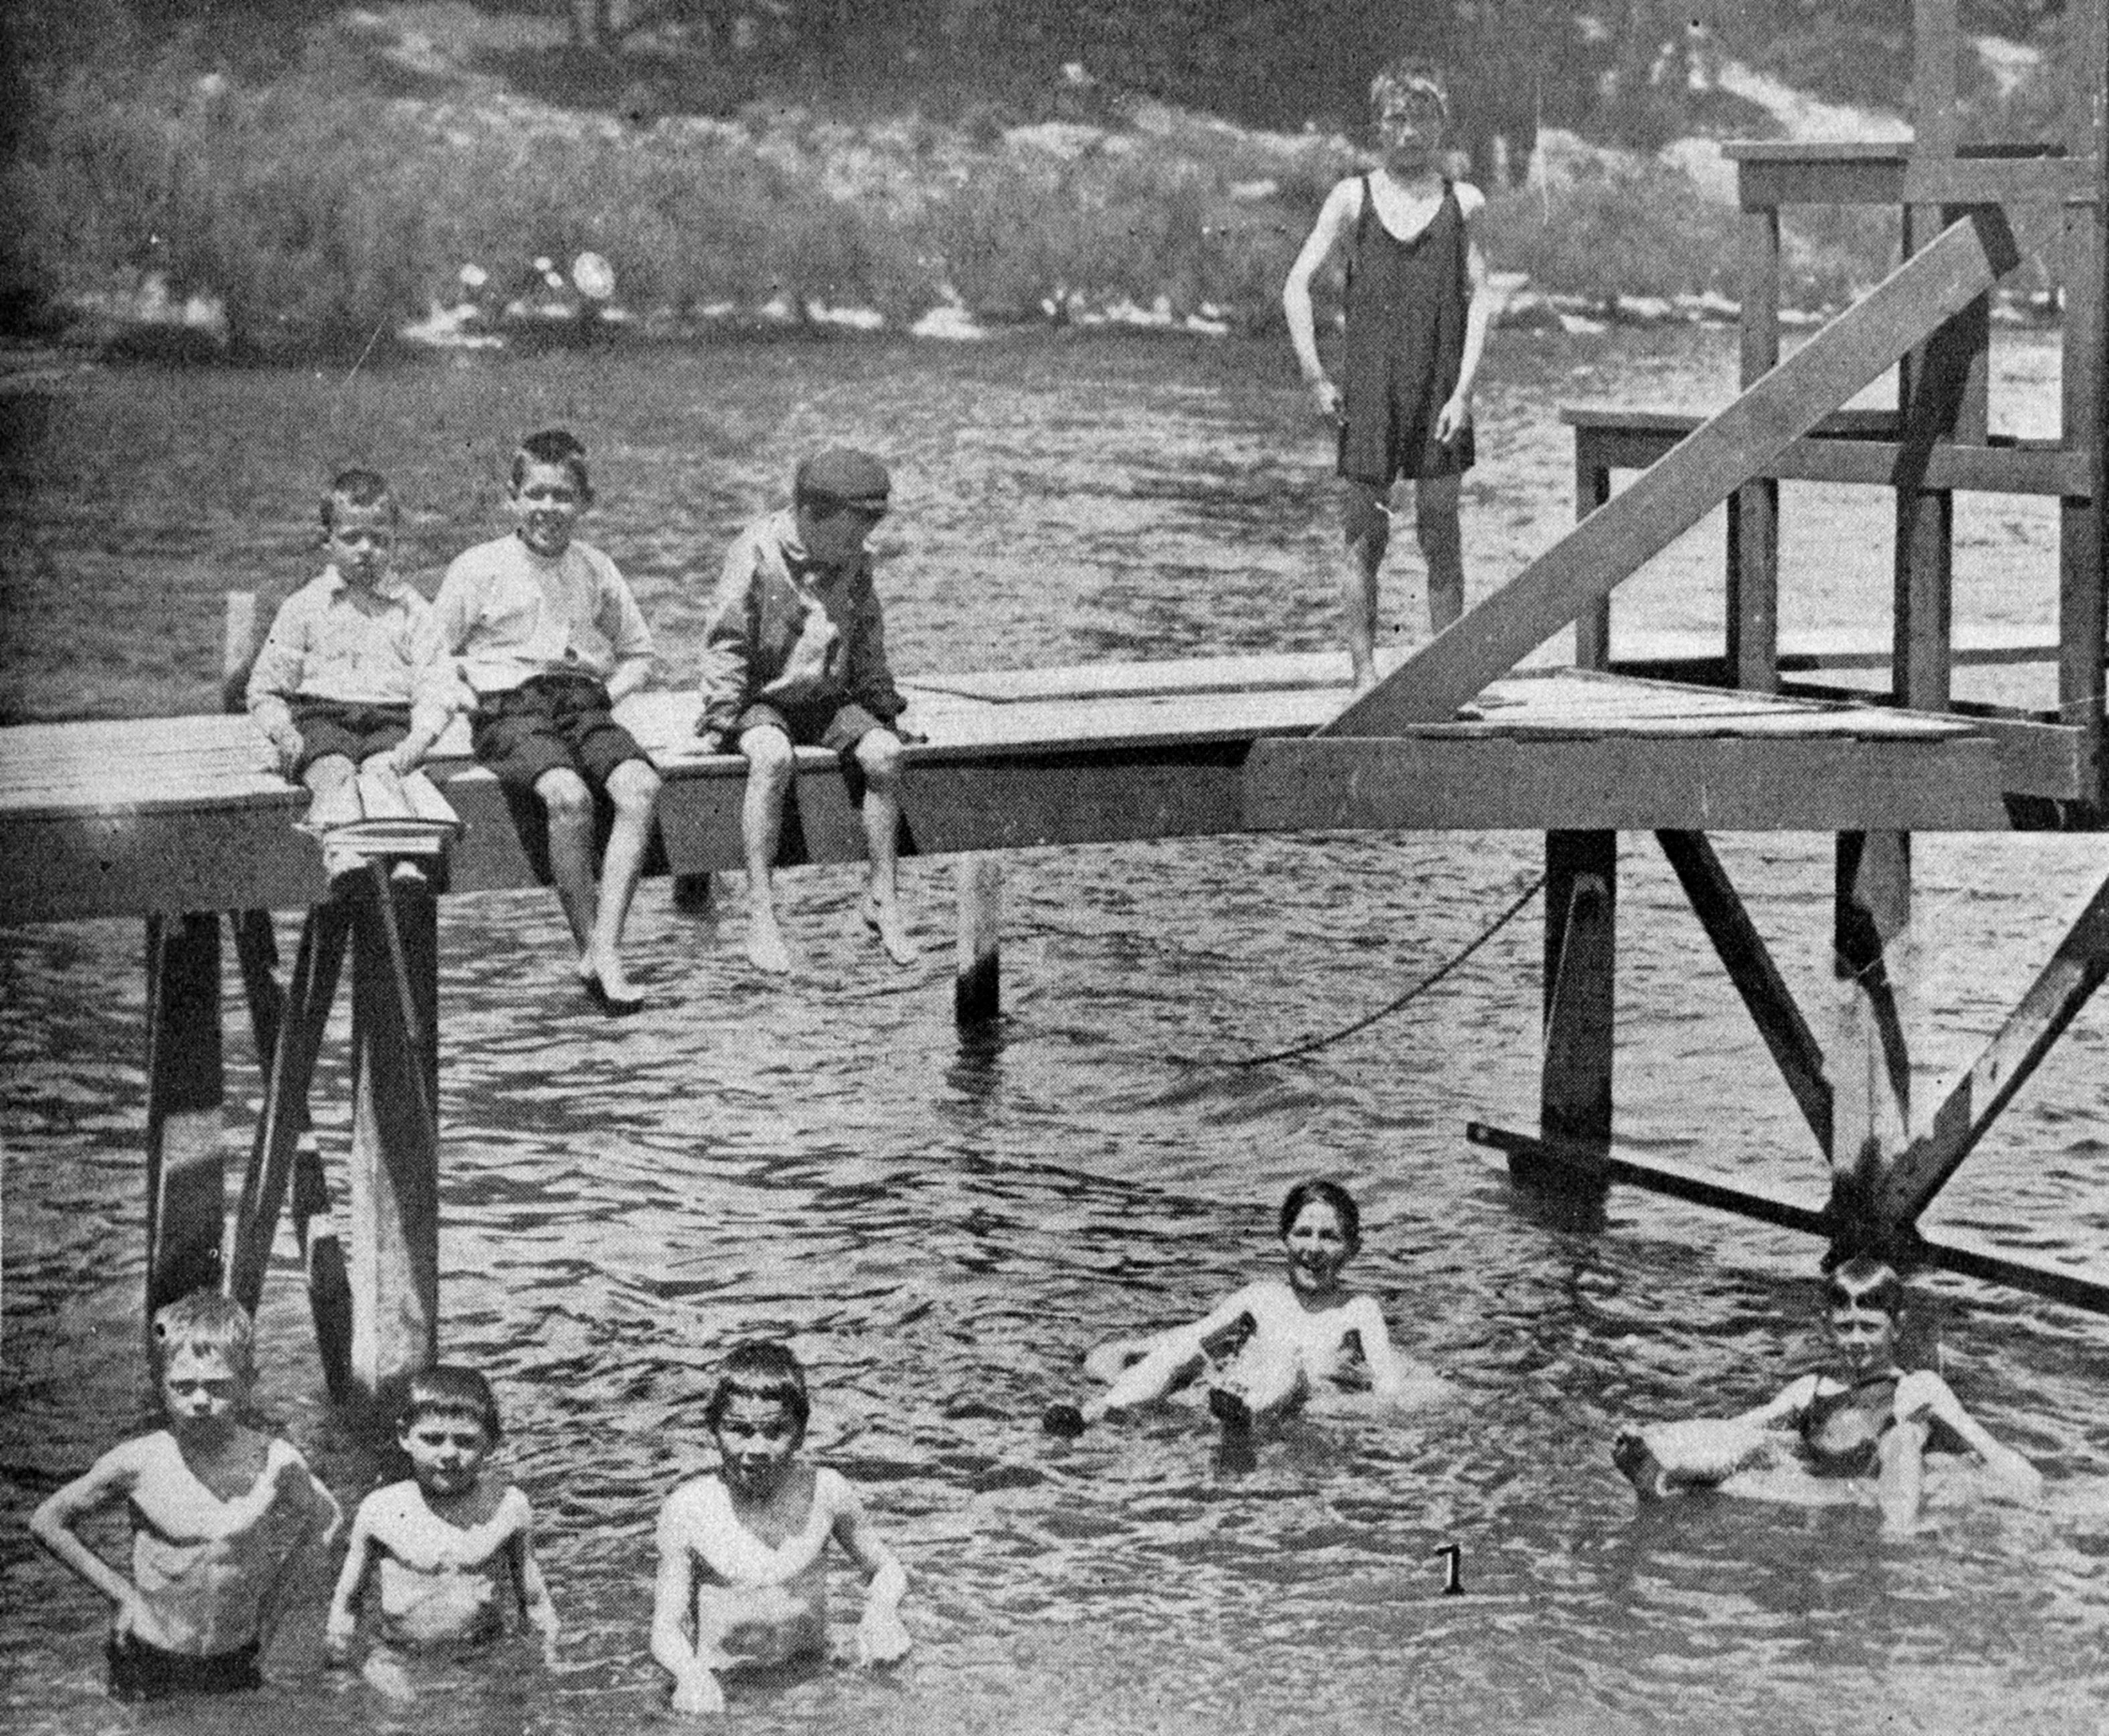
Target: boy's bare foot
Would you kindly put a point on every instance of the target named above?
(1064, 1421)
(883, 917)
(765, 950)
(608, 988)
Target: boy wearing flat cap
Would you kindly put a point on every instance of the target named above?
(794, 656)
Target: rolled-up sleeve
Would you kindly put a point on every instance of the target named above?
(276, 674)
(728, 650)
(865, 673)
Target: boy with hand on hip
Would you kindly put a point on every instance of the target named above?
(1417, 312)
(794, 655)
(445, 1544)
(353, 673)
(551, 640)
(222, 1518)
(742, 1579)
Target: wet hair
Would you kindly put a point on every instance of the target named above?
(449, 1390)
(552, 446)
(1864, 1282)
(760, 1368)
(1325, 1193)
(1409, 74)
(358, 486)
(206, 1321)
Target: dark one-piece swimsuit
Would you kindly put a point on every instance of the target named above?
(1841, 1432)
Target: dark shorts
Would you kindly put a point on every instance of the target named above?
(554, 721)
(837, 728)
(139, 1671)
(341, 726)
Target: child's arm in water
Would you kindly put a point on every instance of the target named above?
(1393, 1378)
(325, 1517)
(881, 1637)
(1169, 1359)
(109, 1480)
(536, 1605)
(696, 1689)
(1923, 1394)
(341, 1627)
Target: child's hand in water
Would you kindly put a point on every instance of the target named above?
(881, 1638)
(698, 1695)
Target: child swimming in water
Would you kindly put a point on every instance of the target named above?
(1868, 1419)
(1263, 1347)
(743, 1580)
(221, 1517)
(446, 1544)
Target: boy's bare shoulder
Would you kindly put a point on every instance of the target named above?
(687, 1506)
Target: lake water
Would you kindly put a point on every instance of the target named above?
(942, 1230)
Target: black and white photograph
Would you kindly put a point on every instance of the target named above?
(1054, 867)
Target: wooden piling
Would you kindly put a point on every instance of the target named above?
(977, 984)
(1575, 1091)
(395, 1155)
(185, 1088)
(1753, 593)
(1871, 1060)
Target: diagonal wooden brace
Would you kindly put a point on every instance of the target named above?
(2077, 967)
(285, 1116)
(1743, 954)
(1701, 471)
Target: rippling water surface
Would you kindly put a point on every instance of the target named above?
(942, 1230)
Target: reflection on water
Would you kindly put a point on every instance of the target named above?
(942, 1229)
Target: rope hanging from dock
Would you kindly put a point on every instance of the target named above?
(1311, 1045)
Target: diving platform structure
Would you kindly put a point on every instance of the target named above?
(184, 822)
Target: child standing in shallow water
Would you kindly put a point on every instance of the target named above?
(221, 1516)
(1265, 1347)
(743, 1580)
(446, 1544)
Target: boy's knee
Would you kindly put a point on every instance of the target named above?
(633, 787)
(769, 755)
(1365, 524)
(565, 797)
(332, 771)
(879, 754)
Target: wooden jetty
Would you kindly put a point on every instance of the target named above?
(179, 821)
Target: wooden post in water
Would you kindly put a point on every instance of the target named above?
(185, 1204)
(2083, 394)
(394, 1146)
(1752, 596)
(1575, 1091)
(976, 983)
(1871, 1062)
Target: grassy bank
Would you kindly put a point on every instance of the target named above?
(346, 198)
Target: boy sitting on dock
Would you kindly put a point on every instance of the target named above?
(1416, 310)
(551, 640)
(354, 675)
(448, 1543)
(742, 1581)
(1866, 1420)
(222, 1518)
(794, 655)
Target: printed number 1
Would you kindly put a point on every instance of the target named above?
(1453, 1583)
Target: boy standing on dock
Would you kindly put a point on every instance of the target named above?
(551, 640)
(794, 655)
(354, 674)
(1416, 323)
(221, 1518)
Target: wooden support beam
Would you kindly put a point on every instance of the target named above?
(186, 1205)
(977, 981)
(290, 1068)
(1753, 598)
(1592, 628)
(2009, 467)
(1744, 955)
(256, 950)
(1717, 457)
(1870, 1065)
(1678, 1181)
(395, 1150)
(2075, 970)
(1581, 950)
(2083, 397)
